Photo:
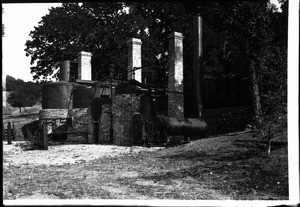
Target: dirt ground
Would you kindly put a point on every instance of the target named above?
(217, 168)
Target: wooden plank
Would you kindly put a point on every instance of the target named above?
(9, 133)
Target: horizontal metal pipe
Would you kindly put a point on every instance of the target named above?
(189, 127)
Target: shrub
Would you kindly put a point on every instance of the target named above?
(233, 121)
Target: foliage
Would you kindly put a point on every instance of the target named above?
(59, 36)
(23, 94)
(273, 73)
(94, 27)
(233, 121)
(236, 36)
(18, 99)
(255, 35)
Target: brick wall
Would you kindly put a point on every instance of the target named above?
(175, 76)
(105, 124)
(124, 106)
(81, 121)
(134, 58)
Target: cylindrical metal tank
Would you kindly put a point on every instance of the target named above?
(64, 73)
(189, 127)
(82, 96)
(57, 95)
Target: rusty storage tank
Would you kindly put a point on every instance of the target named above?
(83, 96)
(57, 95)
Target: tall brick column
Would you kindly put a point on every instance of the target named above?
(84, 65)
(175, 76)
(134, 59)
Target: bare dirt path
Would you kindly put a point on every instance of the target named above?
(210, 169)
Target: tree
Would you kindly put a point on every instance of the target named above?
(96, 27)
(19, 99)
(59, 36)
(103, 29)
(244, 28)
(23, 94)
(239, 39)
(157, 20)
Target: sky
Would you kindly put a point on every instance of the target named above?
(19, 19)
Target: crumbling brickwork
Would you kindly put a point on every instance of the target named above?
(175, 76)
(84, 66)
(124, 106)
(134, 59)
(79, 129)
(105, 124)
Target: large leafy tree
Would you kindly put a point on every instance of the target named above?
(96, 27)
(60, 36)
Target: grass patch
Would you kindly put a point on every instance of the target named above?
(205, 169)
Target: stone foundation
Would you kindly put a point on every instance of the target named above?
(81, 131)
(80, 125)
(124, 107)
(105, 124)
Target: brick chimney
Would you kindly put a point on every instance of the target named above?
(134, 59)
(175, 75)
(84, 65)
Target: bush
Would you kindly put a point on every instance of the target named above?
(234, 121)
(7, 110)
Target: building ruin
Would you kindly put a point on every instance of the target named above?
(67, 111)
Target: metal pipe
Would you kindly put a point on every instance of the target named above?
(64, 73)
(198, 54)
(188, 127)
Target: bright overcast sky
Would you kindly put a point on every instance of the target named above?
(19, 19)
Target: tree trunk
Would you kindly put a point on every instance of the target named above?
(255, 96)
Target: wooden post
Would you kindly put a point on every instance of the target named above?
(3, 132)
(9, 133)
(96, 132)
(14, 131)
(45, 135)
